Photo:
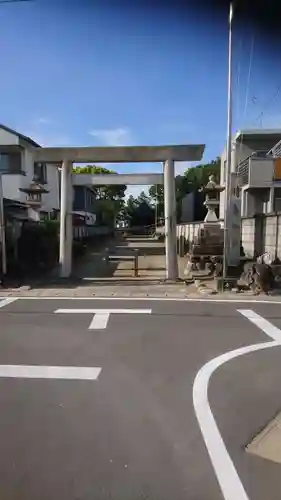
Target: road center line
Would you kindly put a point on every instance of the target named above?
(51, 372)
(99, 321)
(227, 476)
(7, 301)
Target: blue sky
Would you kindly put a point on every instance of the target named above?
(79, 73)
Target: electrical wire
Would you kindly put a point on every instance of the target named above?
(249, 76)
(238, 79)
(15, 1)
(247, 89)
(268, 103)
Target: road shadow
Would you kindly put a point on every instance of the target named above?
(92, 268)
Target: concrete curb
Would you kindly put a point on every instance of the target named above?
(161, 293)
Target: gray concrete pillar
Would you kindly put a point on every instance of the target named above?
(243, 203)
(271, 201)
(65, 257)
(170, 221)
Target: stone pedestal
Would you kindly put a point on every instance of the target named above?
(209, 240)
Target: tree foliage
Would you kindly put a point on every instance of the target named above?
(192, 180)
(139, 211)
(102, 192)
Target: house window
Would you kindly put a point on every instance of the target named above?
(40, 173)
(10, 163)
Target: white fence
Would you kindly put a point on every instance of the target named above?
(80, 232)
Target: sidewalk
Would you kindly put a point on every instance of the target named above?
(139, 289)
(151, 260)
(92, 277)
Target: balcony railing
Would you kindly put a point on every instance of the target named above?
(243, 171)
(276, 150)
(256, 171)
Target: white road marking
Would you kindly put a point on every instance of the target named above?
(52, 372)
(101, 316)
(8, 300)
(104, 311)
(227, 476)
(99, 321)
(263, 324)
(249, 300)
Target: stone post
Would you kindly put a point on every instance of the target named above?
(170, 221)
(65, 255)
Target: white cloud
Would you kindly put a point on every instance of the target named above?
(39, 130)
(43, 120)
(113, 137)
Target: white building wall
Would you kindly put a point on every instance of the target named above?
(8, 139)
(12, 182)
(261, 172)
(240, 152)
(51, 199)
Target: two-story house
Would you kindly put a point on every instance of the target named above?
(256, 170)
(85, 204)
(21, 176)
(86, 212)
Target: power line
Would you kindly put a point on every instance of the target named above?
(269, 102)
(249, 76)
(15, 1)
(238, 79)
(247, 91)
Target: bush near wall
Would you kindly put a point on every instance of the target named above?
(38, 247)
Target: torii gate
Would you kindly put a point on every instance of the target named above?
(165, 154)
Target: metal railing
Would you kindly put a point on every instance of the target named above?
(243, 171)
(276, 150)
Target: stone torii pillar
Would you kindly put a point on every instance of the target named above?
(170, 221)
(66, 200)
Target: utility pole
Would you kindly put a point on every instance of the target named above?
(227, 221)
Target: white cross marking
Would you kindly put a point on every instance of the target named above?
(101, 316)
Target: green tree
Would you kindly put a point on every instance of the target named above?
(199, 176)
(192, 180)
(139, 211)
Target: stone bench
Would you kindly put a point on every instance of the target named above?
(124, 258)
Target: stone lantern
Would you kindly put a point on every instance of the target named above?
(34, 194)
(212, 191)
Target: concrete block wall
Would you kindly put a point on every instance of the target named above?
(260, 234)
(278, 237)
(248, 236)
(270, 235)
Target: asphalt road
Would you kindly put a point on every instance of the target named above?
(129, 431)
